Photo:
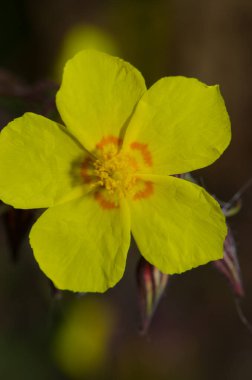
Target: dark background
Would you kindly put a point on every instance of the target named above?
(196, 333)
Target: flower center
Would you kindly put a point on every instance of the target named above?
(115, 173)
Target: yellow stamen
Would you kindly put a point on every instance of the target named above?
(115, 173)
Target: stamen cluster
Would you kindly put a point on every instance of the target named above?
(115, 173)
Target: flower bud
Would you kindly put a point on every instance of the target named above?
(229, 265)
(151, 286)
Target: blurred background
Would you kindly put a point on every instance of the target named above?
(196, 332)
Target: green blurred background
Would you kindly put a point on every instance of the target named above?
(196, 333)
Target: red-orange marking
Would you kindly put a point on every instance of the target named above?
(104, 203)
(84, 170)
(143, 149)
(146, 192)
(109, 140)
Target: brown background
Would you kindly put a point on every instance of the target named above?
(196, 333)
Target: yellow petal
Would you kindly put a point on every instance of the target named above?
(81, 246)
(183, 123)
(98, 95)
(179, 227)
(37, 157)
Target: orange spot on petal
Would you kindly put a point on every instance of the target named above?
(85, 167)
(143, 149)
(108, 141)
(145, 192)
(103, 202)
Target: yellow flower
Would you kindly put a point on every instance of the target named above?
(109, 172)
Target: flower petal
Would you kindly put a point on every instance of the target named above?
(82, 247)
(98, 95)
(184, 124)
(179, 227)
(36, 158)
